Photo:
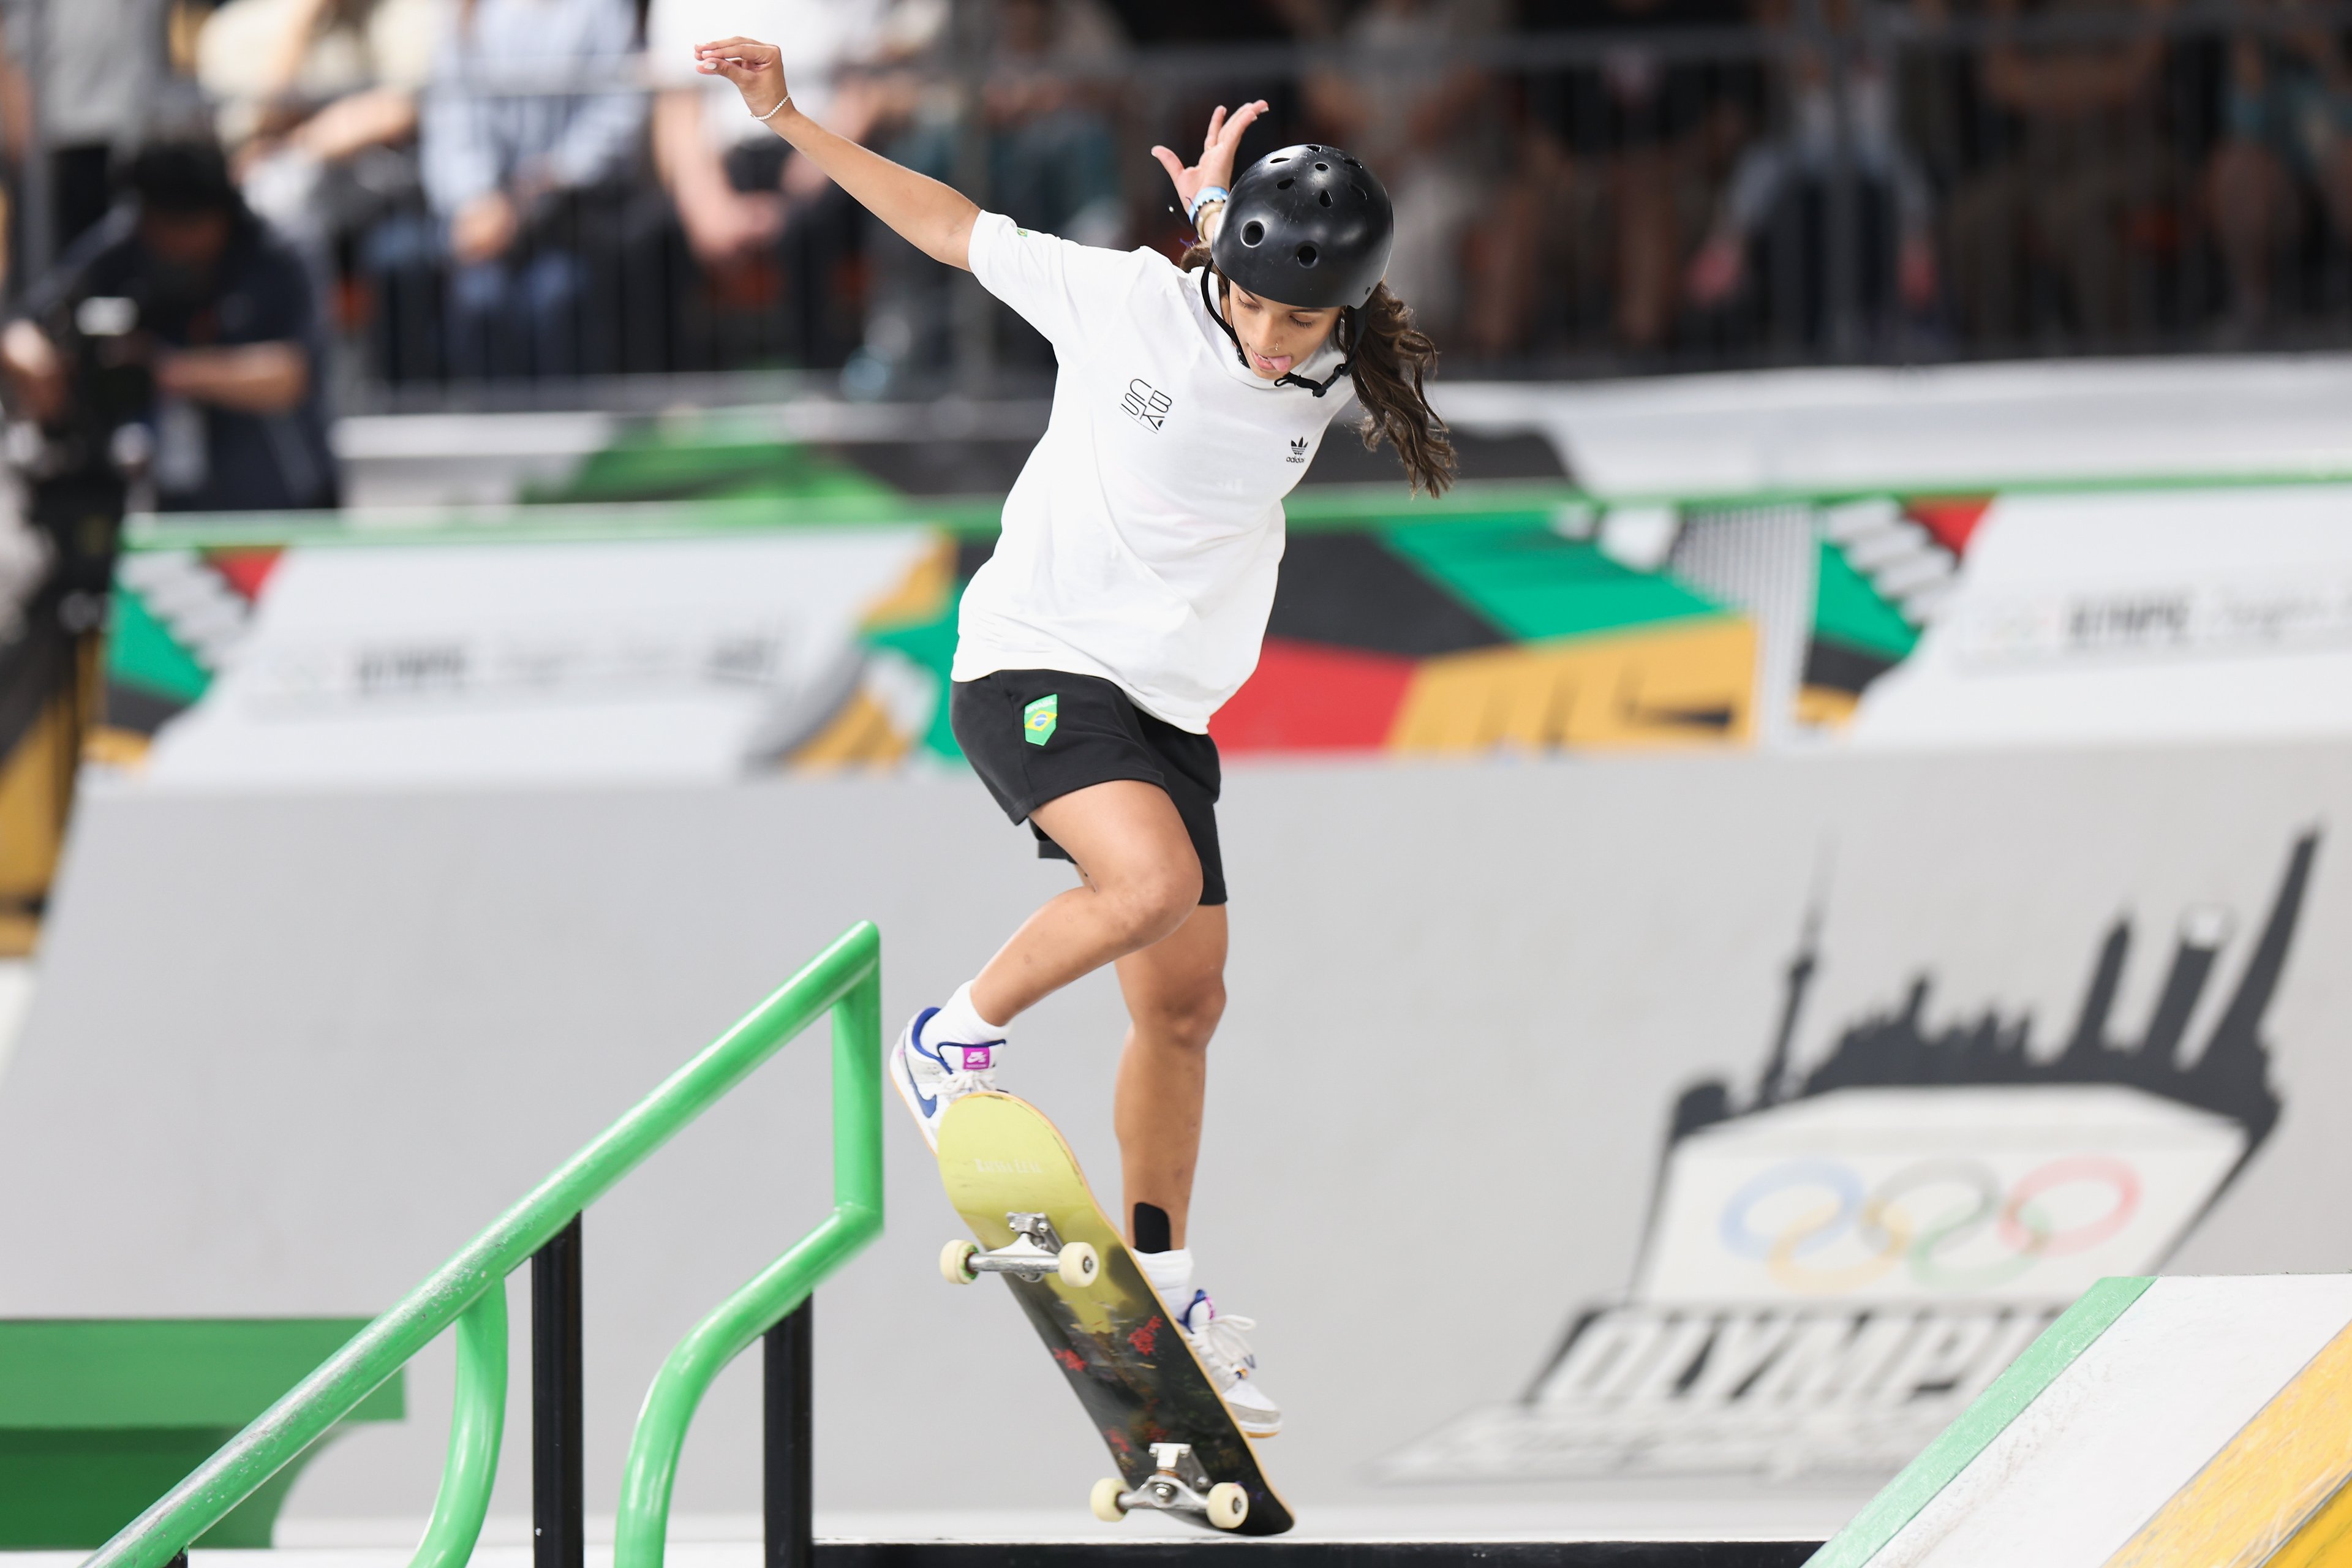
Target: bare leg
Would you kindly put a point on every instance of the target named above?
(1649, 254)
(2336, 188)
(2246, 192)
(1175, 992)
(1142, 880)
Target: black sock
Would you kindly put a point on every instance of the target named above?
(1150, 1229)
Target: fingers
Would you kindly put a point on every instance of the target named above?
(749, 53)
(1216, 121)
(747, 62)
(1240, 121)
(1172, 163)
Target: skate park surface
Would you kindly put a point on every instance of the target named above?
(358, 1023)
(2176, 1420)
(454, 962)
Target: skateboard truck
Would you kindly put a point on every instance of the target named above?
(1179, 1486)
(1036, 1250)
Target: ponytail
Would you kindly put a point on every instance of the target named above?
(1388, 357)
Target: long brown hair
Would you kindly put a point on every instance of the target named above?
(1388, 359)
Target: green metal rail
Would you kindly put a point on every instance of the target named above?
(470, 1291)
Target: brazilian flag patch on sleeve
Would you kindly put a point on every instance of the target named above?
(1037, 719)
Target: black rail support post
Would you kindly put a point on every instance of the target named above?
(788, 1354)
(559, 1494)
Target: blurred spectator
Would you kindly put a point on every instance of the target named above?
(1052, 160)
(227, 326)
(100, 75)
(1635, 147)
(744, 199)
(317, 99)
(470, 165)
(734, 179)
(2286, 127)
(1429, 126)
(1048, 160)
(2088, 163)
(520, 172)
(1779, 205)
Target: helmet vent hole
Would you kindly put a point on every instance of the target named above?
(1253, 232)
(1279, 158)
(1311, 147)
(1323, 196)
(1285, 183)
(1305, 256)
(1322, 168)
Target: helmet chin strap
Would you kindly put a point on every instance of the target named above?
(1217, 314)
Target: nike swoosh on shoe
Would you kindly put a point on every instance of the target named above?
(915, 1036)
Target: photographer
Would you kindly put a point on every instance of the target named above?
(223, 323)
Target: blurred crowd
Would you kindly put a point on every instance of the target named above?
(494, 190)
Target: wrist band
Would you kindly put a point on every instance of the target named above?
(1201, 198)
(763, 119)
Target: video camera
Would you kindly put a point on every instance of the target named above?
(99, 430)
(78, 465)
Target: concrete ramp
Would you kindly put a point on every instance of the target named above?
(2172, 1423)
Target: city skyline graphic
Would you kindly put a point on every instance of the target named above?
(2230, 1076)
(1841, 1253)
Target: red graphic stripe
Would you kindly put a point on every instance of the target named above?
(1309, 697)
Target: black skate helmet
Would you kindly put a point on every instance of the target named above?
(1307, 225)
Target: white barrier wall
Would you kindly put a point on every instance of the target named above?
(291, 1051)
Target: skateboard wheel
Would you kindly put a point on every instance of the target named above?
(1228, 1505)
(1079, 1265)
(1104, 1499)
(955, 1262)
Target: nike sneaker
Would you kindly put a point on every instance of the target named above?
(932, 1078)
(1220, 1342)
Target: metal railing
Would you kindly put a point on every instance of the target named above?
(1850, 184)
(1841, 182)
(469, 1292)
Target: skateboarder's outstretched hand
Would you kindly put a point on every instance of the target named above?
(757, 70)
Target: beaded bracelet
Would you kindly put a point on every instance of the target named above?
(763, 119)
(1201, 198)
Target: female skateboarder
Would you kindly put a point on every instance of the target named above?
(1129, 594)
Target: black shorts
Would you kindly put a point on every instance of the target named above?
(1035, 735)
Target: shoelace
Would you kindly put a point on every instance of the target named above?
(958, 1081)
(1223, 1337)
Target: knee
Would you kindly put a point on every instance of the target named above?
(1147, 905)
(1187, 1020)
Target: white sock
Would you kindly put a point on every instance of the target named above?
(960, 1022)
(1170, 1274)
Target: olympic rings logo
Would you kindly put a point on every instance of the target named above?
(1926, 1216)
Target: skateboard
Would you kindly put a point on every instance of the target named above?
(1016, 1183)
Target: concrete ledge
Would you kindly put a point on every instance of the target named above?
(98, 1417)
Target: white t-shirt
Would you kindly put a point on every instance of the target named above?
(1141, 540)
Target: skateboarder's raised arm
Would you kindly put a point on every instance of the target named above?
(936, 219)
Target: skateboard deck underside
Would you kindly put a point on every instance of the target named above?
(1130, 1367)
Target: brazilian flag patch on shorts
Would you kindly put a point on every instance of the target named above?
(1037, 719)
